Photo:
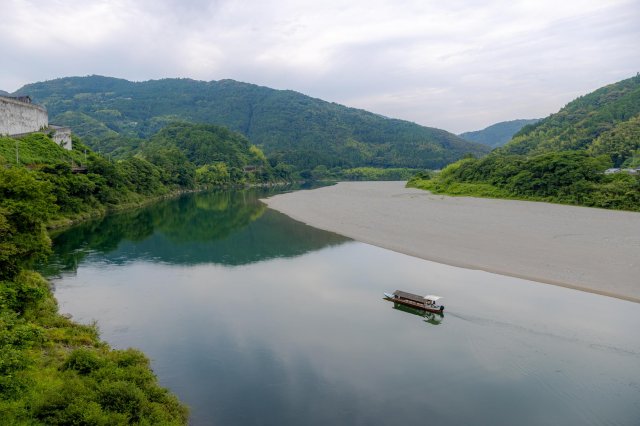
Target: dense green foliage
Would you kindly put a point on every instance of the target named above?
(562, 158)
(220, 156)
(208, 144)
(321, 173)
(180, 157)
(105, 184)
(571, 177)
(112, 114)
(621, 143)
(497, 134)
(53, 371)
(26, 204)
(603, 122)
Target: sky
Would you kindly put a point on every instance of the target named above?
(458, 65)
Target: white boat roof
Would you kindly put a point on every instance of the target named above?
(432, 297)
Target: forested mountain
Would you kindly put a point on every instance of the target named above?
(563, 157)
(497, 134)
(3, 93)
(207, 144)
(606, 121)
(218, 155)
(286, 125)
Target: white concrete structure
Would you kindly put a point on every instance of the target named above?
(19, 117)
(61, 136)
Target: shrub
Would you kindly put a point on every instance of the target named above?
(122, 397)
(84, 361)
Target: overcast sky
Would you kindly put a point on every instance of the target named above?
(454, 64)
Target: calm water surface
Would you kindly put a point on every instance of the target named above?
(253, 318)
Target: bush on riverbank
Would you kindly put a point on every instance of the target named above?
(571, 177)
(56, 372)
(322, 173)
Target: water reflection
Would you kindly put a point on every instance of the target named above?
(224, 227)
(306, 339)
(428, 317)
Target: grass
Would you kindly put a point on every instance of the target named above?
(36, 148)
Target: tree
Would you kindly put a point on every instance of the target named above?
(25, 206)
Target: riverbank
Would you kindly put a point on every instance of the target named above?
(53, 370)
(587, 249)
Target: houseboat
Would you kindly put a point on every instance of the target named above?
(429, 303)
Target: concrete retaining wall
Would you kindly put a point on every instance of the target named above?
(61, 136)
(18, 117)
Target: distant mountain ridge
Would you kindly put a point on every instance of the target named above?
(497, 134)
(288, 126)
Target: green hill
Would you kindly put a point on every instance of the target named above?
(221, 156)
(497, 134)
(207, 144)
(562, 158)
(606, 121)
(288, 126)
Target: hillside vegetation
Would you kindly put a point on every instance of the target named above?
(562, 158)
(219, 155)
(52, 370)
(497, 134)
(180, 157)
(111, 114)
(603, 122)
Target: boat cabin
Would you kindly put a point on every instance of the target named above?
(429, 303)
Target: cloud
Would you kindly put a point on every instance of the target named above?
(456, 65)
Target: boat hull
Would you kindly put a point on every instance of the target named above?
(413, 304)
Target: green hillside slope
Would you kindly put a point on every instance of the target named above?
(602, 122)
(221, 156)
(562, 158)
(497, 134)
(287, 125)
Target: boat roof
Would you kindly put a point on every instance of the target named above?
(407, 295)
(415, 297)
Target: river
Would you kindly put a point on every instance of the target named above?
(253, 318)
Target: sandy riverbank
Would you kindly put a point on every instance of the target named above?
(588, 249)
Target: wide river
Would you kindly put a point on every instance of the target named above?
(253, 318)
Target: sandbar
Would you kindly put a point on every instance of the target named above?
(588, 249)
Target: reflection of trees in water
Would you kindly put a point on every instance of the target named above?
(208, 216)
(229, 227)
(71, 246)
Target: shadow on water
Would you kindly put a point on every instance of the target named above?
(220, 227)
